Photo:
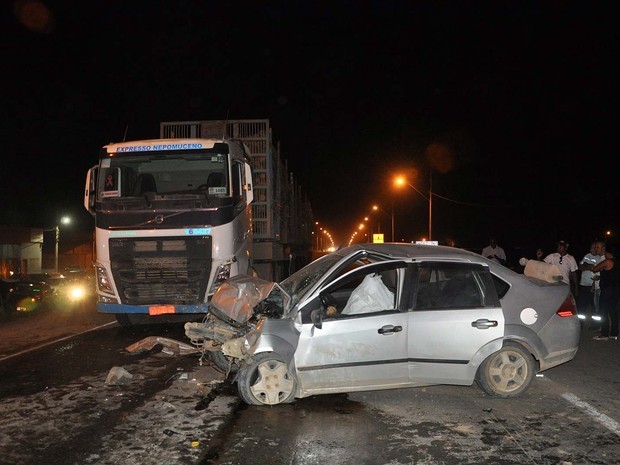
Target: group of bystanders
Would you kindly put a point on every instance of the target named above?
(595, 281)
(598, 289)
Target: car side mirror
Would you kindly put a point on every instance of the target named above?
(317, 318)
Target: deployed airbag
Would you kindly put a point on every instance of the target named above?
(370, 296)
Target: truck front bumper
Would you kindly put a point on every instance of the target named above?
(153, 310)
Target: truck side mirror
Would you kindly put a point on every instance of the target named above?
(90, 190)
(249, 192)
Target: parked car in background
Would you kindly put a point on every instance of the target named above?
(383, 316)
(71, 287)
(23, 295)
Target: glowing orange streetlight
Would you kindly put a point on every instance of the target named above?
(400, 181)
(377, 208)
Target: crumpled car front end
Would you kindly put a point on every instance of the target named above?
(236, 314)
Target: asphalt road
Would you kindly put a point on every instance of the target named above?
(569, 415)
(55, 407)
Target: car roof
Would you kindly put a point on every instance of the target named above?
(416, 251)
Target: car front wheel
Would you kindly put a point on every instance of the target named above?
(506, 373)
(266, 380)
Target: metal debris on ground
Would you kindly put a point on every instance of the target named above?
(170, 346)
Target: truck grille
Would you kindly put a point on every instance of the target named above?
(161, 271)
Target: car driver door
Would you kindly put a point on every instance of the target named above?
(361, 343)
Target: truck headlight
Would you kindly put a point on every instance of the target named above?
(103, 283)
(222, 274)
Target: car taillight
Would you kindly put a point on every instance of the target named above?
(568, 307)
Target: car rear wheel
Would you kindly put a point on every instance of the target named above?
(506, 373)
(266, 380)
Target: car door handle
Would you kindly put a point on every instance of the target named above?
(484, 323)
(390, 329)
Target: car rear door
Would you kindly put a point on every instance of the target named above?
(455, 313)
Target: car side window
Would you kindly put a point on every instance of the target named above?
(445, 285)
(501, 286)
(368, 290)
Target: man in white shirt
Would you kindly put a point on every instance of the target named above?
(567, 265)
(589, 289)
(494, 252)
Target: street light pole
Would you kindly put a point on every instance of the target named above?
(430, 205)
(393, 221)
(401, 181)
(56, 242)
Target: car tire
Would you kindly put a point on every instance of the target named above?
(10, 306)
(507, 372)
(222, 362)
(266, 380)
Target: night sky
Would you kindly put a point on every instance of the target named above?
(511, 105)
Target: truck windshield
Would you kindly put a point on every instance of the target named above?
(162, 175)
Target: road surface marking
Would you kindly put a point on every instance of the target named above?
(607, 422)
(55, 341)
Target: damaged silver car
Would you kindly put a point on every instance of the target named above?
(384, 316)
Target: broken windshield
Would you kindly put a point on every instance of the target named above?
(300, 282)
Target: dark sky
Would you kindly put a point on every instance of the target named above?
(512, 105)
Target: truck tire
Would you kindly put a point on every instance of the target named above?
(123, 319)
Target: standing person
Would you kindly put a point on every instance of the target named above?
(567, 265)
(610, 292)
(494, 252)
(589, 289)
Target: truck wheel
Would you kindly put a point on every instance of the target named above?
(506, 373)
(222, 362)
(266, 380)
(123, 319)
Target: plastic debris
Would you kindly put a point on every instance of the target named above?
(195, 443)
(118, 376)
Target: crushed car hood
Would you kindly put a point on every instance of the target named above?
(236, 297)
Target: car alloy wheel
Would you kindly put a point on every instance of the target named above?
(266, 380)
(506, 373)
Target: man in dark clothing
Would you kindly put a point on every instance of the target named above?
(610, 293)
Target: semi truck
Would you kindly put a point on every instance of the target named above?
(178, 215)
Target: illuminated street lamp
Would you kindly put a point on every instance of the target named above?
(401, 181)
(377, 208)
(64, 220)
